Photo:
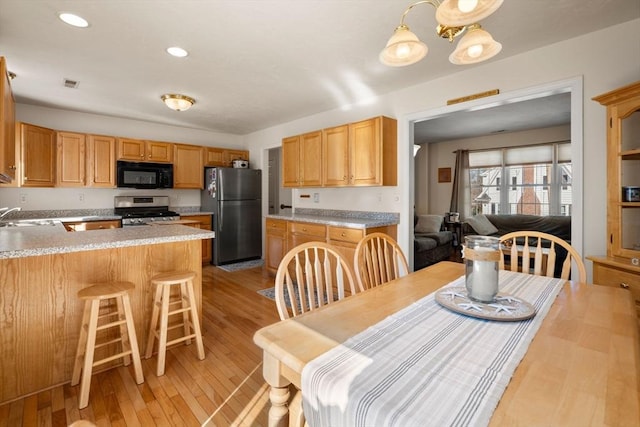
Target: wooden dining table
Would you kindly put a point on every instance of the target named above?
(582, 367)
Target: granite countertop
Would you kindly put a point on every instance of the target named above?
(351, 219)
(18, 242)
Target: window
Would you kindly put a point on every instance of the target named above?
(537, 180)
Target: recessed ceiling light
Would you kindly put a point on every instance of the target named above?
(176, 51)
(75, 20)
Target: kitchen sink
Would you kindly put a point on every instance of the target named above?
(28, 223)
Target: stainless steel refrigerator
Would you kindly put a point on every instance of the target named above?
(234, 196)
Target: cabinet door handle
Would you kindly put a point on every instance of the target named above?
(25, 178)
(624, 285)
(343, 234)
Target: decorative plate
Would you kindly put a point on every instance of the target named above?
(505, 308)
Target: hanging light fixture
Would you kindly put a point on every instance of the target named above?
(178, 102)
(455, 18)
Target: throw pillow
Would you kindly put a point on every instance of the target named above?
(428, 224)
(482, 225)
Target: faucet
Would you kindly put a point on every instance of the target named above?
(6, 211)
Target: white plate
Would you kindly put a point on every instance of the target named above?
(506, 308)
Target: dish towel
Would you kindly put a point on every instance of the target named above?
(425, 365)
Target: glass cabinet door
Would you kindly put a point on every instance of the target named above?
(629, 157)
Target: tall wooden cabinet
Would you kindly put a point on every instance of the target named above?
(621, 266)
(188, 166)
(8, 160)
(101, 161)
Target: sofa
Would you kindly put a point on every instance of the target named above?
(499, 225)
(431, 243)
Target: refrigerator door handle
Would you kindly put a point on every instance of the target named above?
(221, 216)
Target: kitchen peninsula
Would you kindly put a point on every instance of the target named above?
(43, 267)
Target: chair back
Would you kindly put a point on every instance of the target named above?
(518, 245)
(310, 276)
(378, 259)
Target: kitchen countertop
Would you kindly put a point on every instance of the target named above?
(18, 242)
(339, 221)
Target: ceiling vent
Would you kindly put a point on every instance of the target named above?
(71, 84)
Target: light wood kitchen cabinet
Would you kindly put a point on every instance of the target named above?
(345, 239)
(92, 225)
(335, 152)
(214, 156)
(188, 166)
(356, 154)
(302, 160)
(38, 147)
(70, 159)
(304, 232)
(223, 156)
(275, 244)
(373, 152)
(231, 155)
(144, 151)
(8, 159)
(101, 161)
(203, 223)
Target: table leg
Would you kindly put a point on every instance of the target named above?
(279, 393)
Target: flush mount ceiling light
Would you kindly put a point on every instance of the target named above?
(455, 18)
(74, 20)
(176, 51)
(177, 102)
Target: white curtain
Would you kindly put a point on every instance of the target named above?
(461, 191)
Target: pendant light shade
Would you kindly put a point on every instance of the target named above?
(403, 48)
(465, 12)
(177, 102)
(475, 46)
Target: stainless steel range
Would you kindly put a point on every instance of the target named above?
(143, 210)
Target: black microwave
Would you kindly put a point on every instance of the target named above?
(144, 175)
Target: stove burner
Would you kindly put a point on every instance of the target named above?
(144, 210)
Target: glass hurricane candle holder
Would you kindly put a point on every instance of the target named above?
(482, 255)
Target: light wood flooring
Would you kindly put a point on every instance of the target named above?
(225, 389)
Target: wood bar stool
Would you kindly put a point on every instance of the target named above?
(161, 304)
(93, 321)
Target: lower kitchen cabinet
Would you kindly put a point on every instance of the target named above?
(204, 223)
(283, 235)
(275, 243)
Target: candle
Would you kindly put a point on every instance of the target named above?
(481, 254)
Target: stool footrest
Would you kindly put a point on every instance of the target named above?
(178, 340)
(106, 343)
(110, 358)
(111, 325)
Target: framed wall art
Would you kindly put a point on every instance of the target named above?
(444, 174)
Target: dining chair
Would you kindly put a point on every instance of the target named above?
(378, 259)
(310, 276)
(522, 245)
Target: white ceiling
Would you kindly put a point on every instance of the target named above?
(252, 64)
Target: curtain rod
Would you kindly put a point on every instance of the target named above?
(516, 146)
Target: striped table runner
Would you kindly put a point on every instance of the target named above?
(425, 365)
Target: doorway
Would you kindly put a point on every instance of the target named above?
(279, 196)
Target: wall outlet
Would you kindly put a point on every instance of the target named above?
(379, 196)
(316, 197)
(23, 198)
(81, 197)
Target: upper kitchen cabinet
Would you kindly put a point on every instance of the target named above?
(8, 160)
(145, 151)
(101, 161)
(70, 159)
(302, 160)
(373, 156)
(223, 156)
(231, 155)
(38, 147)
(335, 152)
(188, 167)
(355, 154)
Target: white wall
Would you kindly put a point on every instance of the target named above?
(602, 58)
(433, 197)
